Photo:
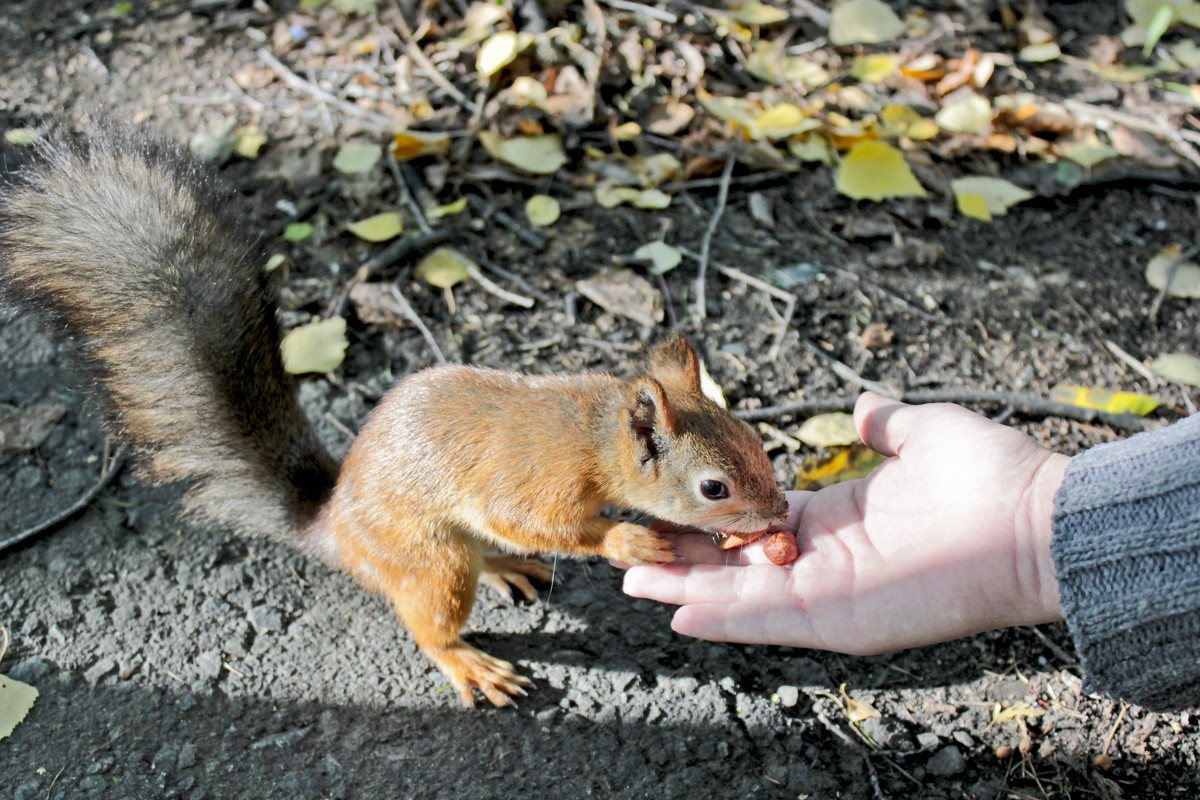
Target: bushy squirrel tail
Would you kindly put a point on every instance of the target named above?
(132, 250)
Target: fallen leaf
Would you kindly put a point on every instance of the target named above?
(316, 347)
(408, 145)
(875, 68)
(857, 710)
(542, 210)
(998, 196)
(20, 137)
(828, 430)
(1177, 367)
(781, 121)
(541, 155)
(651, 199)
(1088, 152)
(378, 228)
(1184, 276)
(274, 262)
(813, 147)
(622, 291)
(16, 699)
(356, 158)
(971, 113)
(443, 268)
(754, 13)
(297, 231)
(654, 170)
(863, 22)
(248, 141)
(375, 304)
(836, 465)
(1040, 53)
(27, 428)
(876, 171)
(438, 212)
(770, 63)
(732, 109)
(662, 256)
(1104, 400)
(499, 51)
(1018, 710)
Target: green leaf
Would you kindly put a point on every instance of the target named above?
(316, 347)
(1162, 19)
(297, 231)
(356, 158)
(1177, 367)
(16, 699)
(378, 228)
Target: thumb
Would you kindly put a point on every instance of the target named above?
(884, 424)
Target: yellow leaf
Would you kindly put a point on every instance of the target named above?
(662, 257)
(540, 155)
(1177, 367)
(20, 137)
(443, 268)
(875, 171)
(609, 196)
(836, 465)
(1019, 709)
(378, 228)
(528, 91)
(437, 212)
(973, 205)
(248, 141)
(654, 170)
(781, 121)
(1088, 152)
(827, 430)
(498, 52)
(863, 22)
(652, 199)
(857, 710)
(1104, 400)
(408, 145)
(16, 699)
(1184, 276)
(316, 347)
(769, 62)
(734, 109)
(542, 210)
(1040, 53)
(357, 157)
(759, 14)
(998, 195)
(875, 68)
(812, 147)
(971, 114)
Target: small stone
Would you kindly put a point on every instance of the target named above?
(265, 618)
(927, 740)
(789, 696)
(31, 669)
(100, 669)
(945, 762)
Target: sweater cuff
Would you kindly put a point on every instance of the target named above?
(1127, 558)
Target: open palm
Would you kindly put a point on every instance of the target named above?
(949, 537)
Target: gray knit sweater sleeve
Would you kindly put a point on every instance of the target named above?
(1127, 557)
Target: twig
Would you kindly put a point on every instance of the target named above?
(295, 81)
(532, 238)
(706, 242)
(845, 373)
(397, 250)
(416, 54)
(416, 320)
(858, 748)
(341, 426)
(1088, 113)
(487, 284)
(406, 194)
(130, 729)
(1029, 404)
(886, 293)
(644, 10)
(1052, 646)
(106, 476)
(789, 299)
(1132, 363)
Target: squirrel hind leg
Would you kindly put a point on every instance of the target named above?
(504, 573)
(433, 591)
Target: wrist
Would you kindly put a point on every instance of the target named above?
(1039, 581)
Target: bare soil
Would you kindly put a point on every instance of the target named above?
(182, 662)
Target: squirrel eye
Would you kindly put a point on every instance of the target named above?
(714, 490)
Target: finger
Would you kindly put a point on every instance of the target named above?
(749, 622)
(881, 424)
(680, 585)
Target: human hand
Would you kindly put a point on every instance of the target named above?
(949, 537)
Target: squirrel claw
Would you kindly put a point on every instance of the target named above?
(469, 668)
(505, 573)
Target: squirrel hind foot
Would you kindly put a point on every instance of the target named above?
(504, 573)
(469, 668)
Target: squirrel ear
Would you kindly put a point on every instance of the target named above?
(675, 360)
(648, 418)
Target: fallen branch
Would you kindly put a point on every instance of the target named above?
(706, 242)
(1025, 404)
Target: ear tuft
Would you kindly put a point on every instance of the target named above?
(649, 418)
(675, 361)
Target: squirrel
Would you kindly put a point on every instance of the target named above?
(132, 250)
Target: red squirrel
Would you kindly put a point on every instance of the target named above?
(458, 473)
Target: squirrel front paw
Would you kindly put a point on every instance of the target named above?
(634, 544)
